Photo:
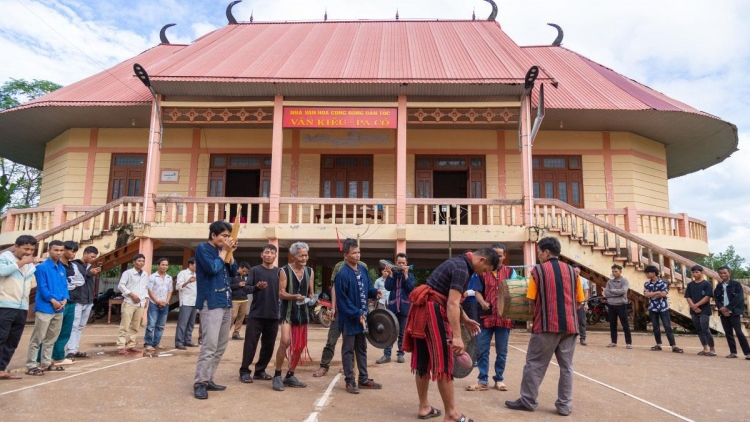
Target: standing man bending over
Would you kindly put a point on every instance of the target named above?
(557, 293)
(296, 282)
(214, 298)
(353, 288)
(433, 330)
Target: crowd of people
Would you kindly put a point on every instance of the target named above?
(460, 294)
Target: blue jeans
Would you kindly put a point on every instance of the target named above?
(401, 327)
(484, 339)
(157, 318)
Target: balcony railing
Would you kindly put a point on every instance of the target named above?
(181, 210)
(338, 211)
(464, 212)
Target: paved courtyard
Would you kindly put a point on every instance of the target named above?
(611, 384)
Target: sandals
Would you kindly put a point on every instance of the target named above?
(35, 372)
(55, 368)
(701, 353)
(676, 349)
(629, 346)
(710, 354)
(464, 419)
(731, 356)
(321, 372)
(477, 387)
(262, 376)
(434, 413)
(79, 355)
(612, 345)
(500, 386)
(656, 348)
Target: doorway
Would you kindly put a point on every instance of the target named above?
(243, 184)
(451, 184)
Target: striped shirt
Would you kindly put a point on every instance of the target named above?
(556, 290)
(453, 274)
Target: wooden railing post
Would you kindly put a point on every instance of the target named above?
(58, 215)
(10, 222)
(684, 226)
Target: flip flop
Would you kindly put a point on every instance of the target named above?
(36, 372)
(434, 413)
(463, 418)
(55, 368)
(9, 376)
(477, 387)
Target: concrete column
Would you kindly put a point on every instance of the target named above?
(153, 163)
(146, 247)
(401, 162)
(527, 179)
(58, 216)
(684, 225)
(10, 222)
(401, 246)
(277, 151)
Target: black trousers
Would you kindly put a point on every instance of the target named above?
(666, 322)
(265, 330)
(733, 326)
(12, 322)
(621, 312)
(581, 322)
(354, 345)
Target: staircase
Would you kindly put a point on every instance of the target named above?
(596, 245)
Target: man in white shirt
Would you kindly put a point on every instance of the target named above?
(133, 288)
(160, 292)
(186, 320)
(380, 285)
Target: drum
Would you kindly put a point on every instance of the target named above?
(512, 302)
(470, 346)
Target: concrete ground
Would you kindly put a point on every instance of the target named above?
(611, 384)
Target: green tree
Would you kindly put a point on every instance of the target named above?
(20, 185)
(730, 258)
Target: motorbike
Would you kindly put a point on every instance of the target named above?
(321, 314)
(101, 305)
(597, 310)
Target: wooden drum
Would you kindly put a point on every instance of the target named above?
(512, 302)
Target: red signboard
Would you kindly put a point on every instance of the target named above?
(340, 117)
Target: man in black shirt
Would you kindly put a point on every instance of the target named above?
(263, 320)
(698, 294)
(730, 300)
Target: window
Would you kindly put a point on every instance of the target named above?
(126, 175)
(244, 161)
(346, 176)
(129, 161)
(558, 177)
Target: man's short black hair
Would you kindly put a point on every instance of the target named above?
(349, 244)
(90, 249)
(191, 261)
(55, 243)
(25, 239)
(271, 247)
(490, 254)
(550, 244)
(138, 256)
(160, 260)
(245, 265)
(217, 228)
(724, 267)
(576, 266)
(651, 269)
(498, 246)
(70, 245)
(696, 268)
(617, 267)
(402, 255)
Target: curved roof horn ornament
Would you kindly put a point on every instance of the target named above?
(163, 33)
(230, 17)
(493, 15)
(560, 34)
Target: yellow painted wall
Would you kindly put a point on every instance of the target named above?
(332, 139)
(451, 139)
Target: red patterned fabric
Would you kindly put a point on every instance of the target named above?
(298, 352)
(428, 321)
(555, 310)
(493, 282)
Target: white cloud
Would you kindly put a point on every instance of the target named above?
(691, 50)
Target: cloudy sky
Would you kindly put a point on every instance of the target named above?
(694, 51)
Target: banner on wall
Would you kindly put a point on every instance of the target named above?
(340, 118)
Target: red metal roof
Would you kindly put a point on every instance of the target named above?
(585, 84)
(360, 51)
(115, 86)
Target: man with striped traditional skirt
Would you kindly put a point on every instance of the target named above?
(557, 293)
(296, 282)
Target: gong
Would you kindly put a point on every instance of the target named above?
(382, 328)
(470, 347)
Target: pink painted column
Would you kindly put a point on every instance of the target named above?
(631, 226)
(277, 150)
(684, 225)
(10, 222)
(146, 247)
(152, 168)
(527, 180)
(401, 163)
(58, 215)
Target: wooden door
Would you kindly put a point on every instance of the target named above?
(216, 189)
(476, 190)
(424, 190)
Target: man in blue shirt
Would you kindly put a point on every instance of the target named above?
(51, 298)
(214, 299)
(656, 290)
(353, 288)
(399, 284)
